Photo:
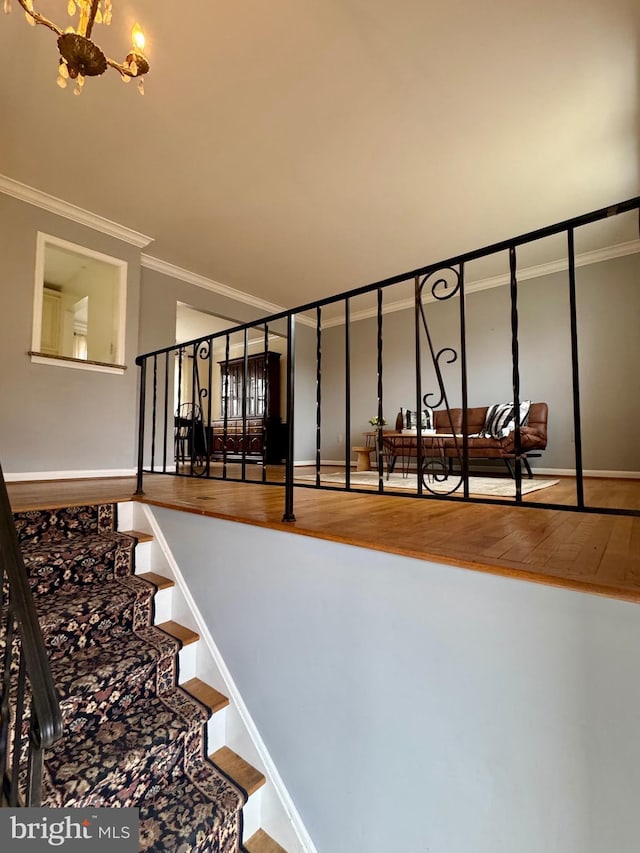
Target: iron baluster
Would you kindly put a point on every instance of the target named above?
(143, 385)
(17, 731)
(575, 375)
(178, 449)
(380, 395)
(464, 386)
(153, 411)
(515, 364)
(291, 381)
(208, 432)
(441, 290)
(318, 391)
(225, 405)
(417, 314)
(6, 685)
(347, 394)
(166, 406)
(266, 408)
(245, 393)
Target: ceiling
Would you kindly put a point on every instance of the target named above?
(298, 148)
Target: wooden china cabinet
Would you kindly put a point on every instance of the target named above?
(257, 432)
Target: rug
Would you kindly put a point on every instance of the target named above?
(132, 736)
(485, 486)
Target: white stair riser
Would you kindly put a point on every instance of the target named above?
(216, 731)
(187, 661)
(251, 814)
(162, 606)
(125, 516)
(143, 557)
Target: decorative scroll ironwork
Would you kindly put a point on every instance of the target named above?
(453, 356)
(443, 284)
(438, 282)
(200, 450)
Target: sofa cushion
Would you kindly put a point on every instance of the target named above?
(499, 420)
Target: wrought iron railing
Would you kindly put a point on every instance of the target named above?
(30, 718)
(202, 449)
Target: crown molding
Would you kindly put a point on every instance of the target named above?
(157, 265)
(52, 204)
(597, 256)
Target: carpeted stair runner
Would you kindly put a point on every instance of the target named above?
(132, 736)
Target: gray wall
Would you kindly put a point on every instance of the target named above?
(56, 418)
(63, 419)
(608, 297)
(159, 294)
(305, 394)
(413, 706)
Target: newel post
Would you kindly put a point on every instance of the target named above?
(142, 364)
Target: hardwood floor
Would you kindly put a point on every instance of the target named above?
(595, 553)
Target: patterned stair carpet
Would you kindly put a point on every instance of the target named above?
(132, 736)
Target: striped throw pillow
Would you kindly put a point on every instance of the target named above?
(499, 420)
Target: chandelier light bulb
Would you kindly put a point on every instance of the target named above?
(137, 37)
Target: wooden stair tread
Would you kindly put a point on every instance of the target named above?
(238, 769)
(260, 842)
(140, 535)
(207, 695)
(159, 581)
(180, 632)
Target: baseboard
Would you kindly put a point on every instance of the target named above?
(234, 694)
(30, 476)
(571, 472)
(337, 462)
(555, 472)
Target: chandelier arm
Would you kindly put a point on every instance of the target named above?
(123, 67)
(90, 18)
(40, 19)
(120, 67)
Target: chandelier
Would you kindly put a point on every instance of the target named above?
(80, 57)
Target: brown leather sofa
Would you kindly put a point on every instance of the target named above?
(533, 439)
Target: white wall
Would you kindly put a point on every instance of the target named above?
(418, 707)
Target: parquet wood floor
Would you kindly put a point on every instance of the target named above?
(593, 553)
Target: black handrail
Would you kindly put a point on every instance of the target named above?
(491, 249)
(25, 660)
(435, 465)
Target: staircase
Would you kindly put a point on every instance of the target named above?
(138, 721)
